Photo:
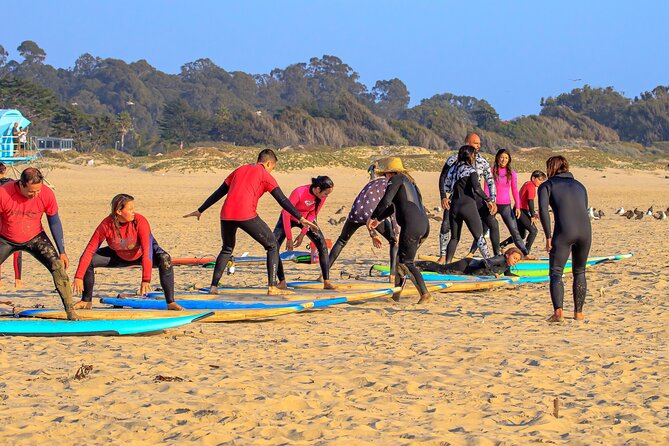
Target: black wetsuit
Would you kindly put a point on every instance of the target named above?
(315, 236)
(464, 208)
(473, 267)
(410, 214)
(572, 234)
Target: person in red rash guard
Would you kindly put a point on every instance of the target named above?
(129, 242)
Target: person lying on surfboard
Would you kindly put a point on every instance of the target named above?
(308, 200)
(496, 266)
(129, 242)
(244, 187)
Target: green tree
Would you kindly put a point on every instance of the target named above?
(31, 52)
(391, 98)
(123, 126)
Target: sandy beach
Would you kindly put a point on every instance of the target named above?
(470, 369)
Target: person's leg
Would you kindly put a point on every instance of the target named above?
(229, 237)
(408, 247)
(280, 236)
(475, 243)
(318, 240)
(444, 236)
(346, 233)
(449, 268)
(387, 231)
(556, 261)
(6, 250)
(260, 232)
(532, 232)
(456, 232)
(163, 261)
(18, 268)
(43, 250)
(473, 221)
(579, 258)
(103, 258)
(509, 219)
(490, 222)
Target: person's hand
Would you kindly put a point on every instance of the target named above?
(78, 286)
(549, 245)
(445, 203)
(298, 240)
(372, 223)
(376, 241)
(534, 220)
(289, 245)
(517, 213)
(196, 214)
(145, 288)
(492, 207)
(65, 260)
(311, 225)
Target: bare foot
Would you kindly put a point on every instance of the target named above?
(281, 285)
(18, 284)
(530, 257)
(557, 316)
(441, 260)
(469, 255)
(320, 278)
(276, 291)
(174, 306)
(579, 316)
(72, 315)
(425, 299)
(213, 290)
(81, 305)
(327, 285)
(392, 278)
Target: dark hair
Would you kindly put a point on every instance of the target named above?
(538, 174)
(322, 182)
(117, 204)
(495, 169)
(3, 168)
(31, 175)
(267, 155)
(513, 250)
(465, 154)
(556, 165)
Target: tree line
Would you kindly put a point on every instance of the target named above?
(137, 108)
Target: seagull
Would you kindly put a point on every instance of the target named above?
(650, 211)
(591, 214)
(333, 222)
(129, 102)
(661, 215)
(342, 220)
(628, 214)
(600, 213)
(640, 215)
(340, 210)
(620, 211)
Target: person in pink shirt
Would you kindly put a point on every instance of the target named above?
(308, 200)
(506, 183)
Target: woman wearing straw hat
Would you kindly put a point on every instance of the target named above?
(403, 193)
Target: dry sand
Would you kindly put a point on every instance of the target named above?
(475, 368)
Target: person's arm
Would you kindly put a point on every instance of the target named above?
(489, 179)
(478, 190)
(213, 198)
(145, 241)
(285, 203)
(85, 260)
(384, 209)
(514, 190)
(531, 195)
(56, 227)
(442, 180)
(544, 202)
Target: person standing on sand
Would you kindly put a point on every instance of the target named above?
(528, 215)
(487, 215)
(18, 255)
(129, 242)
(403, 196)
(308, 200)
(244, 187)
(22, 204)
(568, 199)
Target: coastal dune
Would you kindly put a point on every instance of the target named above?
(481, 368)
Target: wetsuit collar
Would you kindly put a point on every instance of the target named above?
(565, 175)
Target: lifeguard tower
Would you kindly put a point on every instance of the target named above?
(11, 151)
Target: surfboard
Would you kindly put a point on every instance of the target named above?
(539, 270)
(133, 314)
(260, 294)
(409, 289)
(27, 327)
(286, 255)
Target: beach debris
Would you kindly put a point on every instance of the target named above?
(556, 407)
(83, 371)
(163, 378)
(620, 211)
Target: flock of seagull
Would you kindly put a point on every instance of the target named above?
(635, 214)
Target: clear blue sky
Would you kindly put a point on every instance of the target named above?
(510, 53)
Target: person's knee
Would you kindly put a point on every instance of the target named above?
(578, 271)
(271, 245)
(164, 261)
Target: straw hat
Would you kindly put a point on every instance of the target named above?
(392, 164)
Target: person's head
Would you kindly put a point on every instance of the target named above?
(372, 170)
(268, 159)
(390, 166)
(16, 124)
(472, 139)
(556, 165)
(467, 154)
(537, 178)
(513, 255)
(30, 183)
(3, 169)
(502, 161)
(123, 208)
(321, 186)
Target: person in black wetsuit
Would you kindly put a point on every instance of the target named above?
(568, 199)
(363, 206)
(244, 187)
(496, 266)
(403, 193)
(445, 189)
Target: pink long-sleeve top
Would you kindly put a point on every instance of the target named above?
(305, 202)
(505, 188)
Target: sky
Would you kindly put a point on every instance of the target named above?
(511, 53)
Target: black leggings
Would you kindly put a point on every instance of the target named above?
(260, 232)
(41, 248)
(107, 258)
(466, 211)
(509, 217)
(317, 238)
(561, 248)
(411, 237)
(385, 228)
(444, 233)
(489, 223)
(18, 265)
(525, 227)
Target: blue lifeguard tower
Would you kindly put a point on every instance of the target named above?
(10, 151)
